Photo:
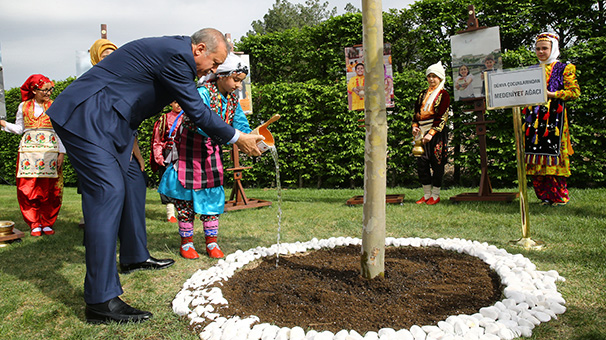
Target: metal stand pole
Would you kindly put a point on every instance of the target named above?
(525, 241)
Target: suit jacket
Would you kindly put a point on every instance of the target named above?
(107, 104)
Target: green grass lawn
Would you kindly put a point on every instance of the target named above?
(41, 278)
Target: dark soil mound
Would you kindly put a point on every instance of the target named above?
(323, 290)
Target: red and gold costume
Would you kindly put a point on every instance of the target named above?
(39, 178)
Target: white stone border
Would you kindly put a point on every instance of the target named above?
(531, 297)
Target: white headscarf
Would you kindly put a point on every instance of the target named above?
(232, 64)
(555, 49)
(438, 70)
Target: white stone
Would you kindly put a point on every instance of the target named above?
(435, 335)
(341, 335)
(526, 332)
(470, 321)
(501, 306)
(474, 333)
(446, 327)
(460, 328)
(418, 333)
(297, 333)
(506, 334)
(517, 296)
(492, 328)
(429, 329)
(509, 303)
(526, 315)
(557, 308)
(283, 334)
(254, 334)
(228, 333)
(504, 316)
(325, 335)
(270, 332)
(490, 312)
(386, 332)
(311, 335)
(541, 316)
(404, 334)
(525, 323)
(371, 335)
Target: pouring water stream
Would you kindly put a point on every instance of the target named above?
(274, 154)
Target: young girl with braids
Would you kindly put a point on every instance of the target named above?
(547, 142)
(195, 179)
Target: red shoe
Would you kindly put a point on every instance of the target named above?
(422, 200)
(431, 201)
(172, 219)
(188, 251)
(36, 232)
(48, 231)
(213, 251)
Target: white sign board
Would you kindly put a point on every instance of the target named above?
(516, 88)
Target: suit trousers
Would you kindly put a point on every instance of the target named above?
(113, 204)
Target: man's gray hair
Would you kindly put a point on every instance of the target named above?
(211, 38)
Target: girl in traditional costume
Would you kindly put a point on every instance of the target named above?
(40, 159)
(163, 134)
(429, 123)
(547, 141)
(195, 179)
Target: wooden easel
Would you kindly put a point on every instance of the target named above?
(238, 199)
(479, 107)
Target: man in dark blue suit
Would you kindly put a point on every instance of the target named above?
(96, 118)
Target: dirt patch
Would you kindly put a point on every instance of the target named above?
(323, 290)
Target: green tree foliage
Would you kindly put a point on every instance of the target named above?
(285, 15)
(521, 20)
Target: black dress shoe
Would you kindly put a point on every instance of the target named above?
(114, 310)
(150, 263)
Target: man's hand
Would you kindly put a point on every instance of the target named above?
(247, 143)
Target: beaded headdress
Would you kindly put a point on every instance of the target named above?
(547, 37)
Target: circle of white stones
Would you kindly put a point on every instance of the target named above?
(531, 297)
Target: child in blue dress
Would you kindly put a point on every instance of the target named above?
(195, 178)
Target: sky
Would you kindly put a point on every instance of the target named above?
(43, 36)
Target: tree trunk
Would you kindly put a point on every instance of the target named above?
(375, 151)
